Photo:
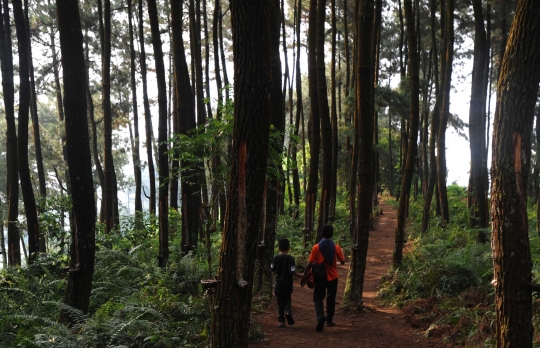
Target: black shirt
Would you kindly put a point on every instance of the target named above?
(284, 266)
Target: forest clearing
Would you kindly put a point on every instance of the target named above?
(168, 166)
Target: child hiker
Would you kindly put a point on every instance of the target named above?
(284, 267)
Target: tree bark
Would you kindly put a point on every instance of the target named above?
(191, 199)
(333, 117)
(252, 81)
(264, 274)
(324, 114)
(353, 297)
(477, 125)
(414, 86)
(136, 156)
(434, 125)
(14, 249)
(445, 112)
(81, 268)
(147, 115)
(516, 97)
(29, 199)
(299, 114)
(314, 127)
(163, 156)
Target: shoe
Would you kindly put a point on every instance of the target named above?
(281, 324)
(290, 319)
(320, 324)
(330, 323)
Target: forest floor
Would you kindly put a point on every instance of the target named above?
(376, 326)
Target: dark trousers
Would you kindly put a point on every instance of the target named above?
(324, 289)
(283, 295)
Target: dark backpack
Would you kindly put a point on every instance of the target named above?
(319, 272)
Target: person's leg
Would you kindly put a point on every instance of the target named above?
(288, 310)
(281, 299)
(331, 287)
(319, 293)
(318, 296)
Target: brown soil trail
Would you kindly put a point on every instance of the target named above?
(372, 328)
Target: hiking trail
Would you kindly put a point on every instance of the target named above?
(375, 327)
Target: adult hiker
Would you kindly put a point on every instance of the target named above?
(322, 261)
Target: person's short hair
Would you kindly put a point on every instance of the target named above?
(284, 244)
(327, 231)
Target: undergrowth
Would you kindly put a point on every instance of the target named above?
(444, 283)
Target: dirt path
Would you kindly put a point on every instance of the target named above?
(382, 327)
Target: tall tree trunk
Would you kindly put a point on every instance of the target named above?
(277, 118)
(353, 297)
(108, 192)
(3, 241)
(252, 81)
(206, 61)
(333, 117)
(299, 114)
(223, 60)
(516, 98)
(147, 115)
(93, 128)
(34, 113)
(375, 48)
(195, 29)
(477, 125)
(135, 151)
(326, 129)
(191, 199)
(163, 157)
(217, 185)
(445, 112)
(414, 86)
(434, 125)
(314, 127)
(22, 140)
(14, 249)
(79, 283)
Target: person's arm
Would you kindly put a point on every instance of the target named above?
(339, 255)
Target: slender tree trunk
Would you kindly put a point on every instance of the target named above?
(14, 250)
(324, 112)
(222, 50)
(299, 113)
(147, 115)
(477, 124)
(80, 274)
(353, 296)
(109, 189)
(217, 185)
(434, 125)
(34, 112)
(195, 28)
(445, 111)
(414, 86)
(22, 140)
(333, 117)
(375, 48)
(314, 127)
(163, 171)
(252, 81)
(136, 156)
(264, 276)
(191, 199)
(3, 241)
(516, 99)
